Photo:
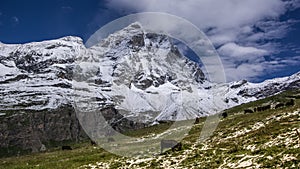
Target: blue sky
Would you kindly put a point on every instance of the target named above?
(256, 39)
(35, 20)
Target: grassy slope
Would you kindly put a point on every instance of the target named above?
(265, 139)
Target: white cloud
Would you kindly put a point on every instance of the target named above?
(293, 4)
(182, 48)
(241, 29)
(241, 53)
(208, 13)
(234, 50)
(243, 71)
(252, 70)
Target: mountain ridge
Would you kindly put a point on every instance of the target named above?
(135, 78)
(60, 57)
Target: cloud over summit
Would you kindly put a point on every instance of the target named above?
(241, 30)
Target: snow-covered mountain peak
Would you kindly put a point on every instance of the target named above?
(133, 38)
(134, 53)
(140, 73)
(72, 39)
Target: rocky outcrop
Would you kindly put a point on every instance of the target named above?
(31, 130)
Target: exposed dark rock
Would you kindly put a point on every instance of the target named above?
(224, 114)
(93, 143)
(197, 121)
(236, 100)
(170, 144)
(66, 148)
(248, 111)
(110, 139)
(63, 85)
(143, 81)
(290, 103)
(294, 85)
(119, 122)
(263, 108)
(32, 129)
(238, 85)
(16, 78)
(279, 105)
(137, 42)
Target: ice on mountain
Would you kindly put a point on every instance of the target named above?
(142, 74)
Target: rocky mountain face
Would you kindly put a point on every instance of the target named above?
(132, 77)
